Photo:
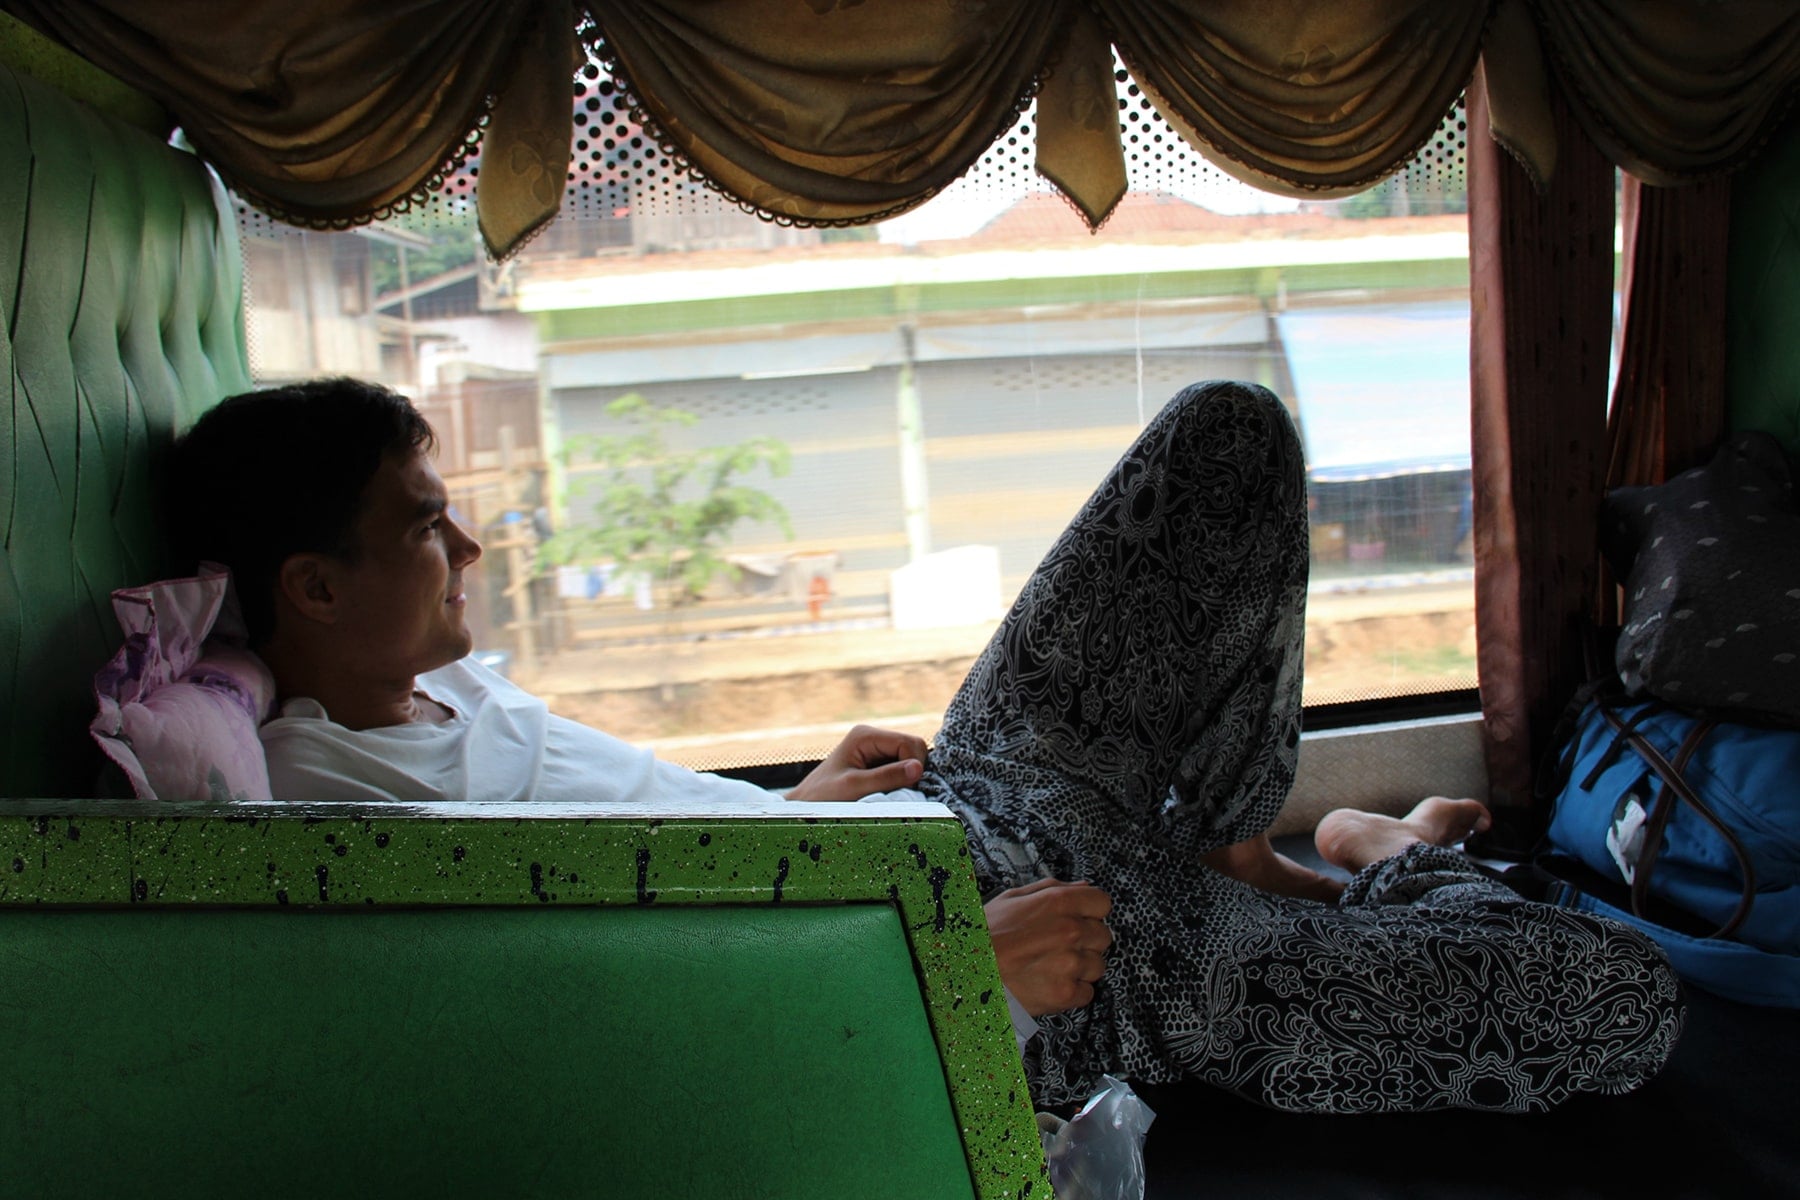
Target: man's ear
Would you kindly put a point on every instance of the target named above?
(306, 582)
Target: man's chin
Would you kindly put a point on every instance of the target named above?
(452, 652)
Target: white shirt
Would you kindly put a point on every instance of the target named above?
(500, 743)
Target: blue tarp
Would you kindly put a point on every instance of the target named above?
(1383, 389)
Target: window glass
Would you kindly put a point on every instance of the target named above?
(891, 423)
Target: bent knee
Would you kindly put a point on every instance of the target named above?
(1239, 418)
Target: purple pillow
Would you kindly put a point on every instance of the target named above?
(181, 701)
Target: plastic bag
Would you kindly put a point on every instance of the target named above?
(1099, 1153)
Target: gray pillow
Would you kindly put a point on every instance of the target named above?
(1711, 567)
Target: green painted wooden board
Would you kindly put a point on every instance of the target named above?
(470, 1052)
(781, 1000)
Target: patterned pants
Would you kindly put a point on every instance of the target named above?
(1140, 706)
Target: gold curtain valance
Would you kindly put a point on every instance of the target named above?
(333, 112)
(1297, 96)
(1675, 91)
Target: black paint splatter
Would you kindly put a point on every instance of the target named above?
(918, 856)
(987, 995)
(457, 853)
(74, 834)
(939, 877)
(340, 849)
(537, 882)
(381, 841)
(281, 896)
(706, 839)
(644, 894)
(781, 874)
(18, 865)
(140, 889)
(322, 875)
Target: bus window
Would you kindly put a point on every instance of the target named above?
(743, 483)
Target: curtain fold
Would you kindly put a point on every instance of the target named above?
(1518, 92)
(1668, 407)
(829, 112)
(329, 112)
(1675, 91)
(525, 152)
(335, 112)
(1078, 144)
(1541, 270)
(1301, 97)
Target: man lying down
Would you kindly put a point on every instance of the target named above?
(1116, 755)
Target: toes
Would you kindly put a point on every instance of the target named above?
(1444, 821)
(1470, 816)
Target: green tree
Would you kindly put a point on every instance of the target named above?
(662, 512)
(454, 243)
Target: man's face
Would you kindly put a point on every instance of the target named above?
(401, 599)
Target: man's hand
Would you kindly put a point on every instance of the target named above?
(1050, 941)
(865, 762)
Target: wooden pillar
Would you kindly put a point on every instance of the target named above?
(1541, 283)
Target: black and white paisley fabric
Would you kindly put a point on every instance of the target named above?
(1140, 706)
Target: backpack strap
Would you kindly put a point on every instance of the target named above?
(1676, 789)
(1621, 734)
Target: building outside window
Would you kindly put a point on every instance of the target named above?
(917, 407)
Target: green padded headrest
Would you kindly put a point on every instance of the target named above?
(121, 319)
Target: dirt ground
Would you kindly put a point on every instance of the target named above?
(726, 701)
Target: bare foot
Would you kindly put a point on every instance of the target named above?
(1352, 840)
(1256, 863)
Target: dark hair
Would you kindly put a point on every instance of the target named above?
(269, 474)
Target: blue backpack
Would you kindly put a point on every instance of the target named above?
(1692, 827)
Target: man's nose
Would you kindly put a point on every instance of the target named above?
(464, 548)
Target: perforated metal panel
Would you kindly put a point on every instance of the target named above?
(618, 172)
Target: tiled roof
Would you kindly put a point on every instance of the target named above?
(1040, 220)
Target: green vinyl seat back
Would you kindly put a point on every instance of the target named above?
(120, 321)
(502, 1000)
